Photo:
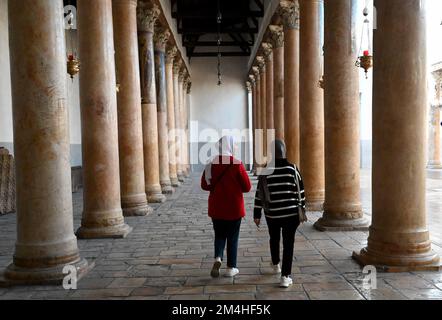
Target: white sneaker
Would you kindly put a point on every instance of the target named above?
(215, 269)
(286, 282)
(276, 267)
(231, 272)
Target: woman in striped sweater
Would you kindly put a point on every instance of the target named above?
(277, 195)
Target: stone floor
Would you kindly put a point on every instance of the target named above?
(169, 254)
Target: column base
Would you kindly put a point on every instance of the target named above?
(330, 224)
(181, 177)
(137, 211)
(175, 182)
(114, 232)
(17, 276)
(166, 188)
(156, 198)
(406, 263)
(315, 205)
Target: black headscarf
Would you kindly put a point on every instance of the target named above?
(280, 149)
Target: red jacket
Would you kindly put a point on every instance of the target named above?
(226, 201)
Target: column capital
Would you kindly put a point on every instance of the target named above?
(289, 12)
(147, 15)
(171, 52)
(255, 71)
(261, 64)
(249, 86)
(251, 78)
(182, 74)
(160, 38)
(189, 87)
(177, 65)
(276, 36)
(267, 50)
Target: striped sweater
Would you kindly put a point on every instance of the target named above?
(283, 191)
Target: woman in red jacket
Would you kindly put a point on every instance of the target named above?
(226, 179)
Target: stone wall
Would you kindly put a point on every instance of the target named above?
(7, 182)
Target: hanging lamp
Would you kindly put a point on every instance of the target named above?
(365, 56)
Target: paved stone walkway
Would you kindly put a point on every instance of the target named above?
(169, 255)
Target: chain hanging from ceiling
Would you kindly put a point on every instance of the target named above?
(219, 20)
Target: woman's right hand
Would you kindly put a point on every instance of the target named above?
(257, 222)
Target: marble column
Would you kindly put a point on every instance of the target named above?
(277, 41)
(311, 105)
(259, 137)
(268, 55)
(435, 124)
(161, 37)
(45, 239)
(342, 207)
(263, 101)
(102, 213)
(176, 74)
(289, 12)
(399, 239)
(130, 129)
(182, 132)
(170, 56)
(253, 88)
(147, 16)
(187, 100)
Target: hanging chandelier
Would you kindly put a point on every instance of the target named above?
(219, 19)
(73, 64)
(365, 60)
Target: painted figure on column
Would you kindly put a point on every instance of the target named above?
(161, 37)
(147, 16)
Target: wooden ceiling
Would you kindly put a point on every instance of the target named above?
(197, 22)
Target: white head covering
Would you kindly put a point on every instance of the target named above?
(225, 148)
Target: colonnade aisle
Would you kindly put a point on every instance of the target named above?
(169, 254)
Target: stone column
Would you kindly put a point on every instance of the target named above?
(187, 99)
(259, 137)
(342, 207)
(161, 38)
(45, 239)
(182, 132)
(289, 12)
(102, 213)
(399, 239)
(130, 129)
(176, 74)
(435, 124)
(253, 87)
(268, 55)
(147, 16)
(311, 103)
(263, 101)
(170, 56)
(277, 40)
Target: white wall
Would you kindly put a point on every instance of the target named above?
(217, 107)
(6, 128)
(6, 135)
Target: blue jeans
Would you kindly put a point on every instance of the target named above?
(227, 231)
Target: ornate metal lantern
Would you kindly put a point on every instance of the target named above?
(365, 60)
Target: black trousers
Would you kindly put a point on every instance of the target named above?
(227, 231)
(288, 227)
